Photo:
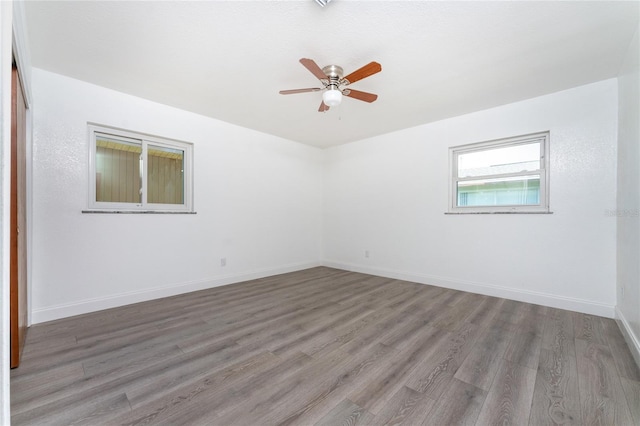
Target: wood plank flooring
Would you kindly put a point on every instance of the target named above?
(327, 347)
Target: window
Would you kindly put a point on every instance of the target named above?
(131, 171)
(501, 176)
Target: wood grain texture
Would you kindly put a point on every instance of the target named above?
(324, 346)
(18, 311)
(460, 405)
(193, 397)
(622, 355)
(317, 398)
(406, 407)
(434, 374)
(632, 393)
(482, 364)
(601, 395)
(346, 413)
(556, 399)
(393, 374)
(589, 328)
(484, 311)
(524, 349)
(508, 401)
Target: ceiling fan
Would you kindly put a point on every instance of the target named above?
(332, 80)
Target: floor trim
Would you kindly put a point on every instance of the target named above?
(538, 298)
(555, 301)
(97, 304)
(629, 336)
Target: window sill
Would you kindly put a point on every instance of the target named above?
(520, 212)
(135, 212)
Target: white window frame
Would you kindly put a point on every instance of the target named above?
(456, 151)
(145, 140)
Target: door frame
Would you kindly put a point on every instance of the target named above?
(12, 44)
(20, 53)
(18, 271)
(13, 48)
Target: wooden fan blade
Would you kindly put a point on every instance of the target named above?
(369, 69)
(314, 68)
(361, 96)
(323, 107)
(291, 92)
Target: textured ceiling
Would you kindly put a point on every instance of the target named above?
(229, 59)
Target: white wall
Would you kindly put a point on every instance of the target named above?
(629, 197)
(258, 201)
(388, 195)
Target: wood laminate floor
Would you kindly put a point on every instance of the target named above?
(327, 347)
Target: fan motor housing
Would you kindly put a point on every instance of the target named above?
(333, 71)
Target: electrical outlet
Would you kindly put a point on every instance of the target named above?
(223, 261)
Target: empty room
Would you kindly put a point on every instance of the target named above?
(320, 212)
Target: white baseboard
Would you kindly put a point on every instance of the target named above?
(97, 304)
(538, 298)
(629, 336)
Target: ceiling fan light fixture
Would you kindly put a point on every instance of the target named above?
(323, 3)
(332, 97)
(331, 79)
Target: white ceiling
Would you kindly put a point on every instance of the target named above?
(229, 59)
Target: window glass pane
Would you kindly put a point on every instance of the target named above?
(165, 171)
(510, 159)
(514, 191)
(118, 169)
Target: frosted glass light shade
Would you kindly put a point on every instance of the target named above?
(332, 97)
